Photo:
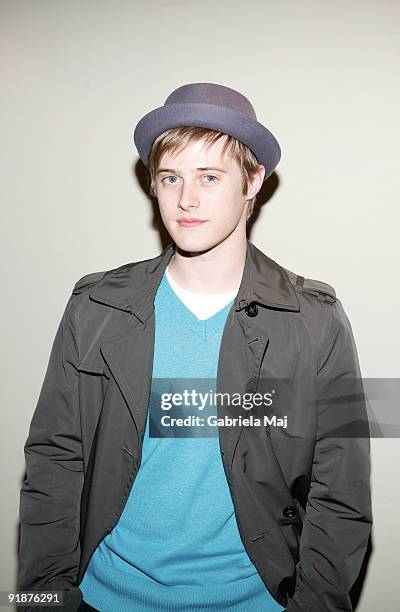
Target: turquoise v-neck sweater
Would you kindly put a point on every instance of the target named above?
(176, 546)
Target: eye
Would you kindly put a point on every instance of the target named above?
(169, 177)
(212, 177)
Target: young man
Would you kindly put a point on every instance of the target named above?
(127, 513)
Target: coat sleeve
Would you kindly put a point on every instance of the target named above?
(49, 547)
(338, 517)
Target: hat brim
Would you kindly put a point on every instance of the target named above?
(245, 129)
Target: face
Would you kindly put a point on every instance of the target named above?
(198, 183)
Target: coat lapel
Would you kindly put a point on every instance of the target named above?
(241, 355)
(130, 360)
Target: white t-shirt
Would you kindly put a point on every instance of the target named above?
(203, 305)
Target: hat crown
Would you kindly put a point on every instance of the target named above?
(211, 93)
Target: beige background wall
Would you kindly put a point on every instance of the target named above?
(77, 76)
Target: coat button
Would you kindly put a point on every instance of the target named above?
(251, 309)
(289, 511)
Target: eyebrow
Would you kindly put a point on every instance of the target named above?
(200, 169)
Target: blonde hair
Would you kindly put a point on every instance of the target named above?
(179, 137)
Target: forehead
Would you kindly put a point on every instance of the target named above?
(199, 153)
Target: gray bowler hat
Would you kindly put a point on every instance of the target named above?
(210, 106)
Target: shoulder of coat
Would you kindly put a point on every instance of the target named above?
(322, 291)
(87, 281)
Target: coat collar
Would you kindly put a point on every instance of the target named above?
(132, 287)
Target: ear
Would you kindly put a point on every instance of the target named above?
(256, 182)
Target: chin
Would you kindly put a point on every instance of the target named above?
(193, 244)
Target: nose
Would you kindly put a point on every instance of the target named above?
(188, 197)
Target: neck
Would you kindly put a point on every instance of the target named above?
(216, 270)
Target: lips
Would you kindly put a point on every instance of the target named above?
(190, 222)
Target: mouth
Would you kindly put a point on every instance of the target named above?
(190, 222)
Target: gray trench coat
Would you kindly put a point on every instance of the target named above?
(301, 494)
